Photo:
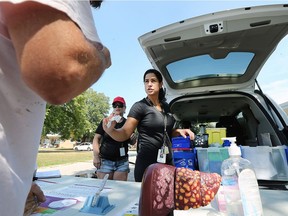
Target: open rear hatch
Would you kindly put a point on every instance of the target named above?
(218, 51)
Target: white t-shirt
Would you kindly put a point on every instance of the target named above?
(22, 113)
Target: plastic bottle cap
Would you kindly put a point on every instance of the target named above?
(226, 143)
(233, 150)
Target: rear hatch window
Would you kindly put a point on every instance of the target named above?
(206, 66)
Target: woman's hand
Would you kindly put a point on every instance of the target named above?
(109, 123)
(97, 161)
(184, 133)
(34, 198)
(36, 191)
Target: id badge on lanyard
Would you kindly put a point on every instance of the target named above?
(122, 151)
(161, 157)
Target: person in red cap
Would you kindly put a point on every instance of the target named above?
(111, 156)
(120, 100)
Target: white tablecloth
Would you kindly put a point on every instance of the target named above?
(123, 195)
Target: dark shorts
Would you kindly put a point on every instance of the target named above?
(108, 166)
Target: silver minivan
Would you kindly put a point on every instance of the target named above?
(210, 65)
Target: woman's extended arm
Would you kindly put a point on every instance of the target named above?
(123, 133)
(56, 60)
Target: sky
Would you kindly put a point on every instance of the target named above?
(120, 23)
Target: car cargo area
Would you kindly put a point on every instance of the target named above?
(218, 115)
(239, 113)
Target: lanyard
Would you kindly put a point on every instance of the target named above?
(165, 131)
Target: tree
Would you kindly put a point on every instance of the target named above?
(78, 119)
(97, 108)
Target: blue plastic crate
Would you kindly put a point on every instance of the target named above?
(186, 159)
(181, 142)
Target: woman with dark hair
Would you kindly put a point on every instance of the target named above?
(154, 122)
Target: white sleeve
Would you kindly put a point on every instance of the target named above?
(79, 11)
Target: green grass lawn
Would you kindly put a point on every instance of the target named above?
(53, 156)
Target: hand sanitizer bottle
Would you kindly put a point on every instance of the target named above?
(240, 184)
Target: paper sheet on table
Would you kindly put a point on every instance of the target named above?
(77, 191)
(45, 184)
(48, 174)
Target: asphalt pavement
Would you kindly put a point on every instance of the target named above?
(87, 169)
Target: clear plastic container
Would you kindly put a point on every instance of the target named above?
(230, 171)
(240, 185)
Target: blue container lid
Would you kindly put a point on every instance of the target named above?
(180, 139)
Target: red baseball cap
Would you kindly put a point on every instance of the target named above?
(119, 99)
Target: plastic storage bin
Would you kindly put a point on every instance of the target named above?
(269, 163)
(185, 159)
(210, 159)
(215, 135)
